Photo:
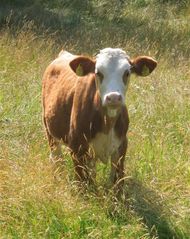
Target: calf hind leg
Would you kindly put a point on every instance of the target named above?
(55, 146)
(55, 149)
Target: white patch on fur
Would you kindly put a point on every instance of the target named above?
(103, 146)
(112, 113)
(63, 55)
(112, 63)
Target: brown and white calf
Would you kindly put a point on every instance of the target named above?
(84, 108)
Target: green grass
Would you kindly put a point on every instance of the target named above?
(36, 201)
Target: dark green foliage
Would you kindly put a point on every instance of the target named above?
(17, 2)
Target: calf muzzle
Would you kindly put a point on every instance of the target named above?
(113, 99)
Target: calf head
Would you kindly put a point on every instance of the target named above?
(112, 69)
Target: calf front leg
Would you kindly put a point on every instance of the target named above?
(117, 166)
(91, 169)
(80, 168)
(85, 168)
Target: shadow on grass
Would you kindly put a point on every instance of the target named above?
(150, 207)
(45, 17)
(90, 27)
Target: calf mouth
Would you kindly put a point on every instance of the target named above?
(112, 111)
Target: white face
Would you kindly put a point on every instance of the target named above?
(112, 74)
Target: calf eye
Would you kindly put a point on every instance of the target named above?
(100, 76)
(125, 76)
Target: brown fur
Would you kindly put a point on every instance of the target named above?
(73, 112)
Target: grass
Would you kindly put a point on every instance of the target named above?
(37, 202)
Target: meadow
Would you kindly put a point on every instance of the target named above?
(39, 202)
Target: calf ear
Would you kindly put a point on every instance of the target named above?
(82, 65)
(143, 65)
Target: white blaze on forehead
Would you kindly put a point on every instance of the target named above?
(111, 55)
(112, 52)
(112, 63)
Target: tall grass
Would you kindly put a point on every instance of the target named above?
(37, 202)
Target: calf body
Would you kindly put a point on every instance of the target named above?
(84, 108)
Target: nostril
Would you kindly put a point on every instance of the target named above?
(108, 98)
(119, 98)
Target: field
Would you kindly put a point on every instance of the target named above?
(39, 202)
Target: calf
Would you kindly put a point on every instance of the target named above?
(84, 108)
